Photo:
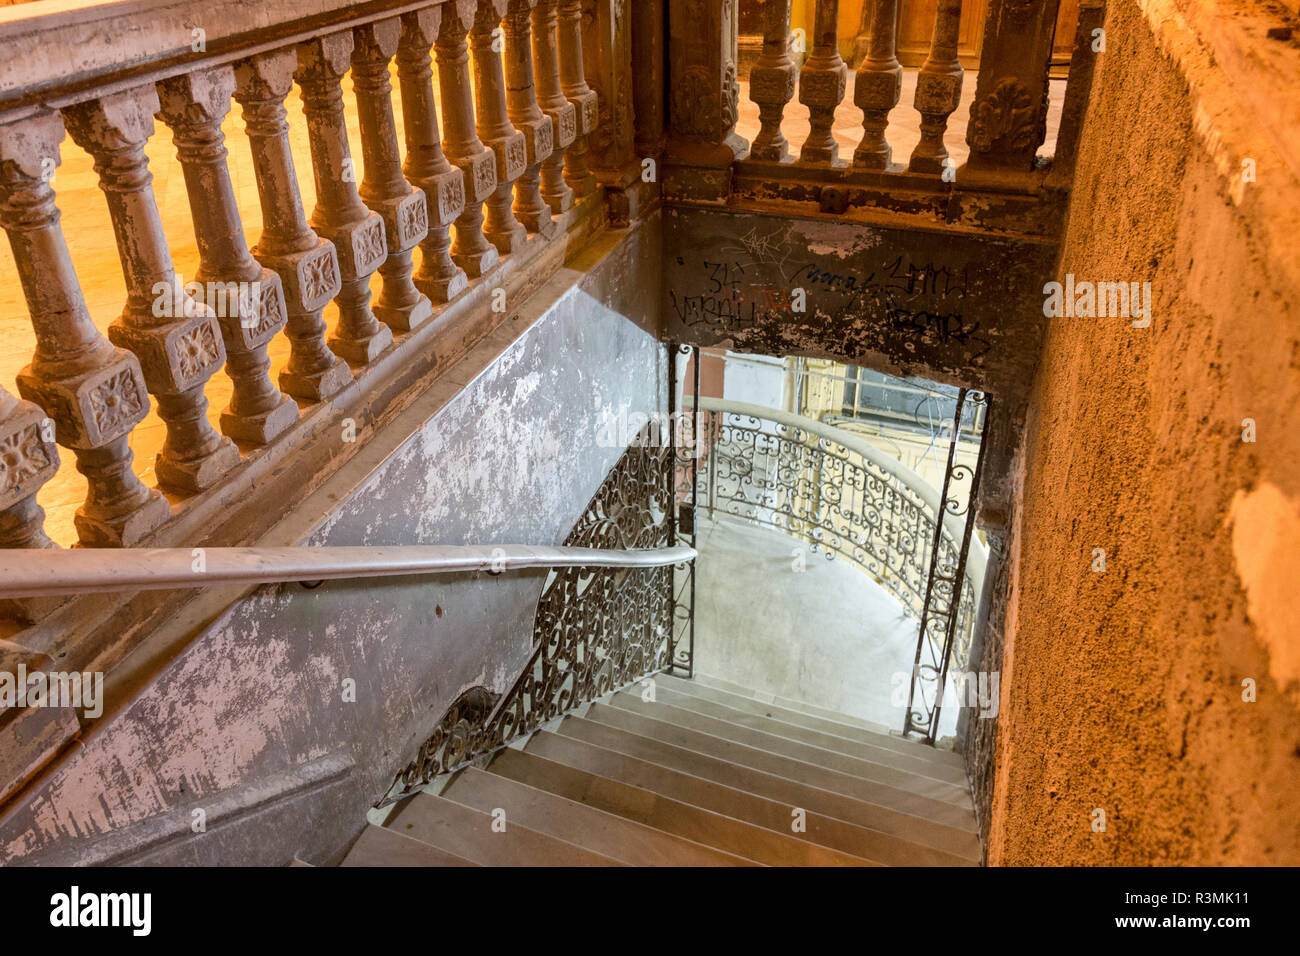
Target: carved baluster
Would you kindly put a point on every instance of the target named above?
(821, 85)
(877, 86)
(471, 251)
(573, 80)
(307, 264)
(1008, 120)
(938, 89)
(537, 127)
(340, 215)
(93, 392)
(28, 459)
(772, 82)
(551, 98)
(194, 105)
(405, 212)
(176, 337)
(703, 101)
(495, 128)
(444, 184)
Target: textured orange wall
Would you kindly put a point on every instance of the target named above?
(1122, 690)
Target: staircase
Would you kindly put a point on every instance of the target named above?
(705, 775)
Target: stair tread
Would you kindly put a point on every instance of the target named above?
(764, 717)
(792, 768)
(802, 715)
(740, 690)
(466, 832)
(889, 836)
(380, 846)
(655, 809)
(773, 816)
(579, 824)
(905, 780)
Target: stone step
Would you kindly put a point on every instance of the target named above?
(801, 716)
(379, 846)
(777, 818)
(468, 833)
(907, 781)
(834, 781)
(605, 833)
(890, 836)
(740, 690)
(752, 713)
(664, 813)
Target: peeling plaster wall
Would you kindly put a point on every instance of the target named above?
(249, 724)
(1123, 690)
(956, 306)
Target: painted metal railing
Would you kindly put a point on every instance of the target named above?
(52, 573)
(598, 628)
(845, 498)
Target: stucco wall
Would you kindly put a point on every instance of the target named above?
(1122, 689)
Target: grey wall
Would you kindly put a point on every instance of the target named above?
(249, 724)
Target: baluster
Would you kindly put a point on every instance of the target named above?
(340, 215)
(573, 80)
(537, 127)
(471, 251)
(772, 82)
(307, 265)
(821, 85)
(495, 129)
(938, 89)
(404, 209)
(551, 98)
(877, 87)
(94, 393)
(175, 337)
(28, 459)
(444, 184)
(1008, 120)
(194, 106)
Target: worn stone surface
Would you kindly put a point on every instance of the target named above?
(1123, 690)
(254, 706)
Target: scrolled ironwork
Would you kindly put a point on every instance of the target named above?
(596, 629)
(844, 498)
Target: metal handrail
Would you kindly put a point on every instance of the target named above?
(47, 573)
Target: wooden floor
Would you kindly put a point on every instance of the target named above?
(88, 229)
(704, 775)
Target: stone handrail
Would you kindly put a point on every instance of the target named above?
(864, 505)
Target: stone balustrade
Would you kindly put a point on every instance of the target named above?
(709, 163)
(492, 154)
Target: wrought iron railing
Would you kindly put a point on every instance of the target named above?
(597, 629)
(845, 498)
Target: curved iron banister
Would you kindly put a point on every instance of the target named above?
(978, 560)
(902, 507)
(52, 572)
